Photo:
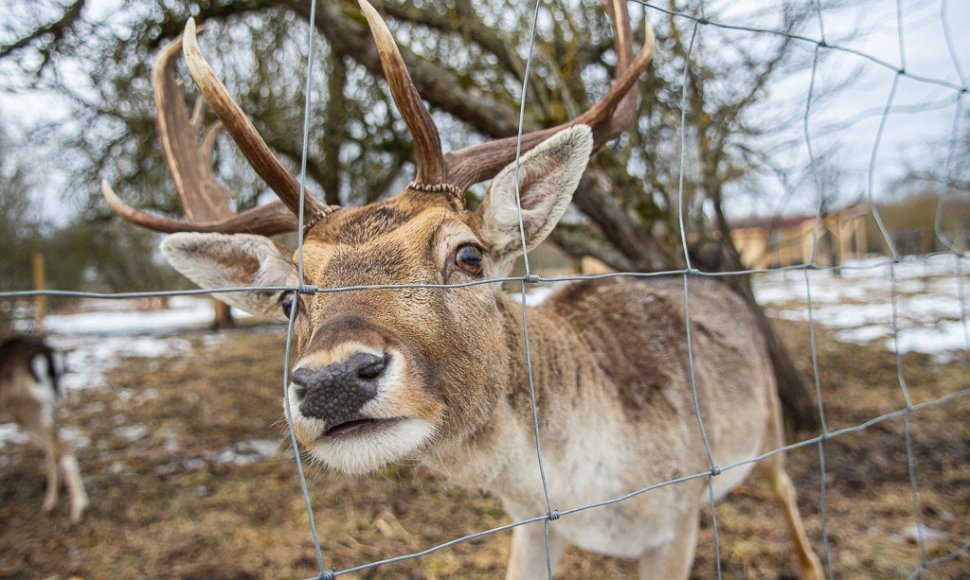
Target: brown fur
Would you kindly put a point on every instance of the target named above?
(609, 363)
(619, 340)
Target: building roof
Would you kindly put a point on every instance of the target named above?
(778, 222)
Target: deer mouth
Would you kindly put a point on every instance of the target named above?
(358, 445)
(359, 427)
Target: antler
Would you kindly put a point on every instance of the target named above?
(430, 163)
(189, 163)
(270, 219)
(242, 131)
(609, 117)
(205, 201)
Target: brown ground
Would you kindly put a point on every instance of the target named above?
(166, 506)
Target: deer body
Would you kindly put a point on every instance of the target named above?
(616, 411)
(409, 351)
(612, 388)
(28, 391)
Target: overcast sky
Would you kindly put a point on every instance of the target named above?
(916, 133)
(918, 130)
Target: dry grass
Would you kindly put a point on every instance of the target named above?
(165, 506)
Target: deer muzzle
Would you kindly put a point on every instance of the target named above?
(335, 393)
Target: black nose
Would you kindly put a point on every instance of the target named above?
(336, 393)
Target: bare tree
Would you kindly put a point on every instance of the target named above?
(469, 67)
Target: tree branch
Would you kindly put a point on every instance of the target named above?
(57, 29)
(597, 200)
(438, 85)
(491, 42)
(334, 128)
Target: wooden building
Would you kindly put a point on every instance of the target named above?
(773, 242)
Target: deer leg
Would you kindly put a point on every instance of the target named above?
(672, 561)
(34, 412)
(783, 490)
(53, 485)
(38, 422)
(527, 559)
(72, 476)
(43, 432)
(772, 471)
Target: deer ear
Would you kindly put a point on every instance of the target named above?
(224, 261)
(548, 176)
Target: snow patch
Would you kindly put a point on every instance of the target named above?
(132, 433)
(240, 453)
(105, 332)
(11, 433)
(858, 305)
(913, 534)
(534, 296)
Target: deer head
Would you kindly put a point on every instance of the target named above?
(381, 372)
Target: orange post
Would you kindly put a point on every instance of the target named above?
(39, 284)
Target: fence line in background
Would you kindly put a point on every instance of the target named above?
(714, 470)
(525, 309)
(531, 279)
(812, 341)
(308, 504)
(900, 376)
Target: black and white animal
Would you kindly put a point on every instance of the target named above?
(30, 392)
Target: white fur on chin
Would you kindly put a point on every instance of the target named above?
(360, 454)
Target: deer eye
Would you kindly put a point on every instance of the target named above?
(287, 302)
(469, 259)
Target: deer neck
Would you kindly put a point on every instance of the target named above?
(497, 454)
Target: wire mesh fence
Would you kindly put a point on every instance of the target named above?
(699, 22)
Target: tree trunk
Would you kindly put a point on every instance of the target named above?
(799, 408)
(223, 315)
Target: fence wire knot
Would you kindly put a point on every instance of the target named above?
(715, 471)
(307, 289)
(553, 515)
(328, 574)
(532, 279)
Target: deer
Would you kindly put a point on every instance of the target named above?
(29, 391)
(433, 368)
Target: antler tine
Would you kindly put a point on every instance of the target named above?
(623, 46)
(205, 201)
(209, 141)
(242, 131)
(607, 118)
(431, 168)
(198, 110)
(270, 219)
(203, 198)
